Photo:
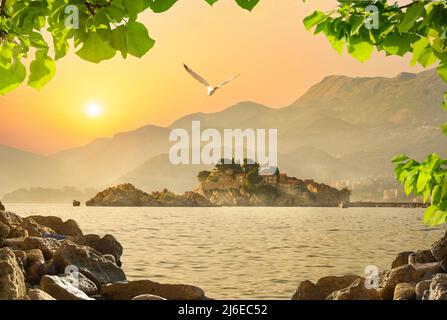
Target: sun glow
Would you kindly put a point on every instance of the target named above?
(93, 110)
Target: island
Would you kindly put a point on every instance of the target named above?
(232, 184)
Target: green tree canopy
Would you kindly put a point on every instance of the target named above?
(97, 29)
(418, 28)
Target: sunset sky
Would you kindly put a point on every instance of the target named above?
(277, 58)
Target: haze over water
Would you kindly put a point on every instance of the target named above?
(249, 253)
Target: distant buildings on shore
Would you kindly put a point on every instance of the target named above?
(250, 176)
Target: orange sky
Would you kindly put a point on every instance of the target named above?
(277, 58)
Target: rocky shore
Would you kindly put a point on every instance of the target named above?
(45, 258)
(126, 195)
(419, 275)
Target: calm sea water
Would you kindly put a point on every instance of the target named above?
(249, 253)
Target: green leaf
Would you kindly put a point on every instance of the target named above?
(423, 181)
(11, 77)
(442, 71)
(359, 49)
(95, 49)
(413, 13)
(246, 4)
(138, 40)
(399, 158)
(418, 47)
(159, 6)
(315, 18)
(42, 70)
(444, 128)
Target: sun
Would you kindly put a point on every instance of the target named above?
(93, 109)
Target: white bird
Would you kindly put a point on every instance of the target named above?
(211, 89)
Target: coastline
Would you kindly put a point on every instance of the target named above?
(304, 287)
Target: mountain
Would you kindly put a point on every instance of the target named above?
(341, 128)
(104, 160)
(20, 168)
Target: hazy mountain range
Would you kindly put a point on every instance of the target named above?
(342, 128)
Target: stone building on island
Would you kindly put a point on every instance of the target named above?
(250, 177)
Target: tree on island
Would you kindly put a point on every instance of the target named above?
(420, 28)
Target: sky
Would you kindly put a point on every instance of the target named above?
(277, 58)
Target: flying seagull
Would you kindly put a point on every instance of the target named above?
(211, 89)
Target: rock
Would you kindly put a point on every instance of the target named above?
(67, 228)
(4, 231)
(421, 287)
(17, 232)
(76, 203)
(13, 243)
(444, 265)
(148, 297)
(324, 287)
(12, 281)
(48, 246)
(438, 287)
(90, 262)
(10, 219)
(2, 207)
(401, 259)
(423, 256)
(36, 270)
(21, 256)
(110, 258)
(405, 291)
(428, 270)
(34, 229)
(426, 295)
(105, 245)
(390, 278)
(356, 291)
(82, 283)
(439, 248)
(34, 255)
(62, 289)
(37, 294)
(131, 289)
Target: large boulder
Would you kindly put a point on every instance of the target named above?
(421, 287)
(405, 291)
(439, 248)
(428, 270)
(390, 278)
(10, 219)
(105, 245)
(35, 229)
(37, 294)
(4, 232)
(438, 287)
(422, 256)
(36, 270)
(325, 286)
(132, 289)
(12, 280)
(401, 259)
(17, 232)
(89, 262)
(67, 228)
(48, 246)
(62, 289)
(34, 255)
(81, 282)
(356, 291)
